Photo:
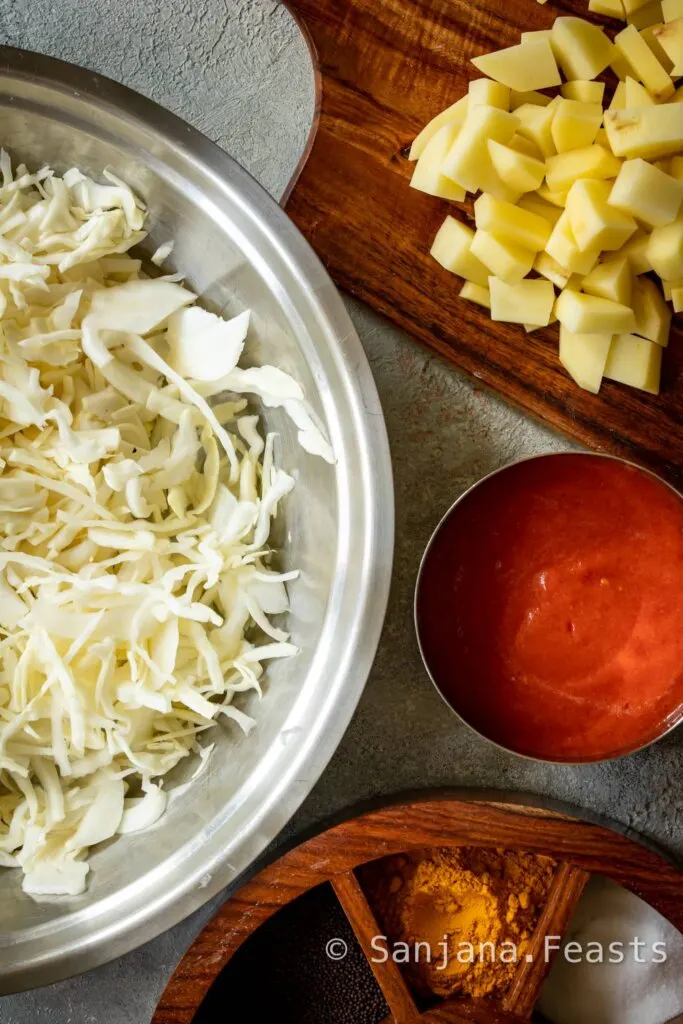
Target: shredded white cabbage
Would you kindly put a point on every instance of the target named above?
(134, 521)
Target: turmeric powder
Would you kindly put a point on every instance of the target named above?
(472, 911)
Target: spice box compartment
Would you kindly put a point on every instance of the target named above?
(458, 920)
(338, 860)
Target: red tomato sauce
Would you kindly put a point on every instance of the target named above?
(550, 607)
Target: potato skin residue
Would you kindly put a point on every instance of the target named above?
(448, 898)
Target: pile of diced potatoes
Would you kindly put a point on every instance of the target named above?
(579, 219)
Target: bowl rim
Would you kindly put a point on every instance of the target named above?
(615, 756)
(111, 936)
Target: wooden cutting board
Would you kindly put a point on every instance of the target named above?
(384, 68)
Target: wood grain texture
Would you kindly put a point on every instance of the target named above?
(385, 67)
(458, 1012)
(584, 846)
(565, 892)
(470, 1013)
(365, 927)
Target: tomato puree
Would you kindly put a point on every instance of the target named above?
(550, 607)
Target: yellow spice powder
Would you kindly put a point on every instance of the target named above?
(452, 899)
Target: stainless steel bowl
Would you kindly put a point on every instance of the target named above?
(238, 250)
(675, 721)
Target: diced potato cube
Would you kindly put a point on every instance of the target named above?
(665, 250)
(534, 204)
(592, 162)
(454, 115)
(517, 99)
(635, 251)
(613, 280)
(669, 286)
(536, 125)
(528, 66)
(452, 249)
(582, 50)
(525, 146)
(594, 223)
(528, 302)
(584, 357)
(650, 132)
(510, 223)
(634, 361)
(485, 93)
(602, 140)
(506, 260)
(584, 92)
(554, 103)
(518, 171)
(575, 282)
(476, 293)
(648, 35)
(636, 95)
(589, 314)
(539, 33)
(644, 63)
(670, 38)
(620, 66)
(647, 193)
(644, 17)
(575, 124)
(427, 176)
(630, 6)
(468, 163)
(562, 247)
(677, 299)
(610, 8)
(653, 316)
(676, 167)
(530, 328)
(554, 198)
(551, 269)
(618, 101)
(555, 100)
(564, 250)
(672, 9)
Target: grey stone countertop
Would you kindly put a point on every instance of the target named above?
(239, 71)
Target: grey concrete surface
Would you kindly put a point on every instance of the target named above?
(238, 70)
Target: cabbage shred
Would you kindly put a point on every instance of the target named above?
(135, 511)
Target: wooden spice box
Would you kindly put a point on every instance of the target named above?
(580, 847)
